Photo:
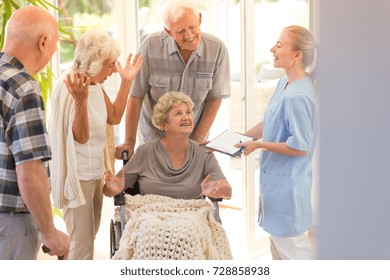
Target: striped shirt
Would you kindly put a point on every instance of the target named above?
(206, 75)
(23, 135)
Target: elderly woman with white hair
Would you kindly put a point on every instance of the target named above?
(80, 111)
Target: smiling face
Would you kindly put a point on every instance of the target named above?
(186, 30)
(108, 67)
(285, 56)
(180, 120)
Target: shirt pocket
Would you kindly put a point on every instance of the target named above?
(276, 191)
(203, 84)
(274, 125)
(159, 85)
(270, 121)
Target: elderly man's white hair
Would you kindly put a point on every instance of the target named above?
(93, 48)
(174, 9)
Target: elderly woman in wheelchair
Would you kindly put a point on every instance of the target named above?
(169, 221)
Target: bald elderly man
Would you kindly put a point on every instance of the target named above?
(26, 219)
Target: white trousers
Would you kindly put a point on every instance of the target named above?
(290, 248)
(82, 223)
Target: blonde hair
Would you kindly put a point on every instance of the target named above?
(174, 9)
(303, 41)
(93, 48)
(165, 104)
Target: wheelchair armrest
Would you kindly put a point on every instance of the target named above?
(119, 200)
(134, 190)
(215, 199)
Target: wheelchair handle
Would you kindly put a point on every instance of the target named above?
(125, 157)
(119, 199)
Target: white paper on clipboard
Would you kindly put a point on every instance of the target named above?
(225, 142)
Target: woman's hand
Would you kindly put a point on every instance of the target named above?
(216, 189)
(114, 185)
(131, 68)
(78, 87)
(248, 147)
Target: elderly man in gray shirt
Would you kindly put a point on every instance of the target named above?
(180, 58)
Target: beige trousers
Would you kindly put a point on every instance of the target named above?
(82, 223)
(290, 248)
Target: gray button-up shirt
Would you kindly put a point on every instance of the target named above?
(206, 75)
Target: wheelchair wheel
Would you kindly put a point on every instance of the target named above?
(115, 236)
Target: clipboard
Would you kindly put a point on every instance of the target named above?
(224, 142)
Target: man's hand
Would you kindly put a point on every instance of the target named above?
(127, 146)
(204, 143)
(57, 244)
(198, 138)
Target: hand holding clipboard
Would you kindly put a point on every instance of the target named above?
(226, 141)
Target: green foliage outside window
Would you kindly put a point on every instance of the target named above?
(7, 7)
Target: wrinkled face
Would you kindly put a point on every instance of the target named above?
(180, 120)
(284, 55)
(186, 30)
(108, 67)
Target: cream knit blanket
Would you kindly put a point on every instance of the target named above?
(163, 228)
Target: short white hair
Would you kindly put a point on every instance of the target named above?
(93, 48)
(174, 9)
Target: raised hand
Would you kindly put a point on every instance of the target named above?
(131, 68)
(78, 87)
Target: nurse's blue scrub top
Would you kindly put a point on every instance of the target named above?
(285, 181)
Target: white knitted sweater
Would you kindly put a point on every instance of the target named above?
(163, 228)
(64, 180)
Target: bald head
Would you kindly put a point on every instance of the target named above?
(31, 36)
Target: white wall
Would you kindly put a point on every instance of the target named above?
(354, 155)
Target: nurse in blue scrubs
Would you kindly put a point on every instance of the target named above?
(287, 138)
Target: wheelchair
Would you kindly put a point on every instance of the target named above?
(117, 227)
